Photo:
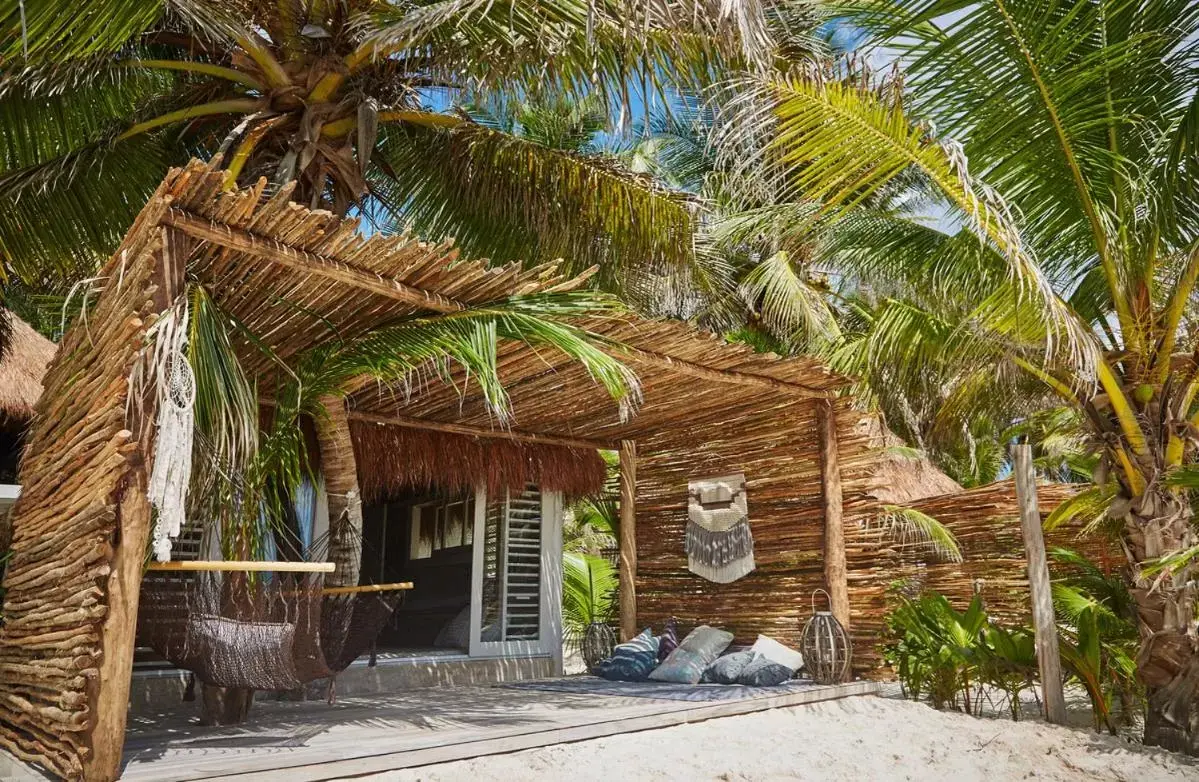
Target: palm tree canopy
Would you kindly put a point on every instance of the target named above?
(358, 102)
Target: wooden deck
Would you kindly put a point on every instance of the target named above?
(362, 735)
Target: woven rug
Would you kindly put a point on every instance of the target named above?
(702, 693)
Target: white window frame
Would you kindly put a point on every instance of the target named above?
(549, 641)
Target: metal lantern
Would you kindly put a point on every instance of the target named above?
(598, 643)
(827, 650)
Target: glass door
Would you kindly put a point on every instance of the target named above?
(516, 583)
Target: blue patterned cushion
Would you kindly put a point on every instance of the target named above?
(764, 672)
(632, 661)
(668, 641)
(725, 670)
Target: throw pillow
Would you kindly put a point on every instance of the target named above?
(779, 653)
(686, 664)
(669, 640)
(632, 661)
(725, 670)
(764, 672)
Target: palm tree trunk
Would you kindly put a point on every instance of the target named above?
(341, 483)
(1168, 660)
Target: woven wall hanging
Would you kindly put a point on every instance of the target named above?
(719, 544)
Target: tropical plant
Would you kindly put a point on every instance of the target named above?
(934, 648)
(1098, 635)
(588, 594)
(1059, 141)
(360, 104)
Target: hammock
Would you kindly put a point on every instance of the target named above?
(243, 629)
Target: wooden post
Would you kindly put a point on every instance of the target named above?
(1048, 658)
(117, 633)
(835, 575)
(628, 539)
(341, 485)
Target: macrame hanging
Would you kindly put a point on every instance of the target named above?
(176, 395)
(719, 543)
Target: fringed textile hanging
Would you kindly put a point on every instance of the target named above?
(719, 542)
(176, 390)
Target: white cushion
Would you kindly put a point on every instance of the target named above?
(776, 652)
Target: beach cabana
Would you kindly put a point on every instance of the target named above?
(424, 471)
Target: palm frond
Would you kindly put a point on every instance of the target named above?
(911, 528)
(512, 199)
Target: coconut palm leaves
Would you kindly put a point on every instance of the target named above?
(355, 101)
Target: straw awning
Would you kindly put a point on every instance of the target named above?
(21, 372)
(297, 277)
(902, 479)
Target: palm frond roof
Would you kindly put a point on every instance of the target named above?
(295, 278)
(21, 371)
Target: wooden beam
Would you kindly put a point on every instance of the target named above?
(481, 431)
(836, 577)
(729, 376)
(1048, 659)
(628, 539)
(273, 250)
(243, 566)
(399, 586)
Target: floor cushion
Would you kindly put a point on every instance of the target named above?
(669, 640)
(764, 672)
(631, 661)
(686, 664)
(779, 653)
(726, 669)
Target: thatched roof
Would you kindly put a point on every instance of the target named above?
(902, 479)
(21, 372)
(297, 278)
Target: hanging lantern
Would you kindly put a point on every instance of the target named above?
(827, 650)
(598, 643)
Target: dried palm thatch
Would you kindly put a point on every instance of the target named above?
(22, 368)
(903, 476)
(393, 459)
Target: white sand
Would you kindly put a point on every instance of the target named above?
(858, 739)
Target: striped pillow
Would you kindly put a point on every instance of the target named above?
(632, 661)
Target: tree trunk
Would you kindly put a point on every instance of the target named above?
(1159, 522)
(341, 484)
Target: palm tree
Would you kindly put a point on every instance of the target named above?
(1062, 138)
(357, 102)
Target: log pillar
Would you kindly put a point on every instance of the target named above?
(1048, 658)
(836, 578)
(341, 486)
(628, 539)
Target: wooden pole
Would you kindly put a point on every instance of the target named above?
(1048, 658)
(836, 577)
(628, 539)
(243, 566)
(409, 422)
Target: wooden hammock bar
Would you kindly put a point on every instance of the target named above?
(398, 586)
(242, 566)
(478, 431)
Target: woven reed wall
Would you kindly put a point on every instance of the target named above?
(778, 450)
(986, 522)
(79, 457)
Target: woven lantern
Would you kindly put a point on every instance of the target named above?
(598, 643)
(827, 650)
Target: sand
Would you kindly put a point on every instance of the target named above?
(858, 739)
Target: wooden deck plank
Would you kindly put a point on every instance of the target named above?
(310, 741)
